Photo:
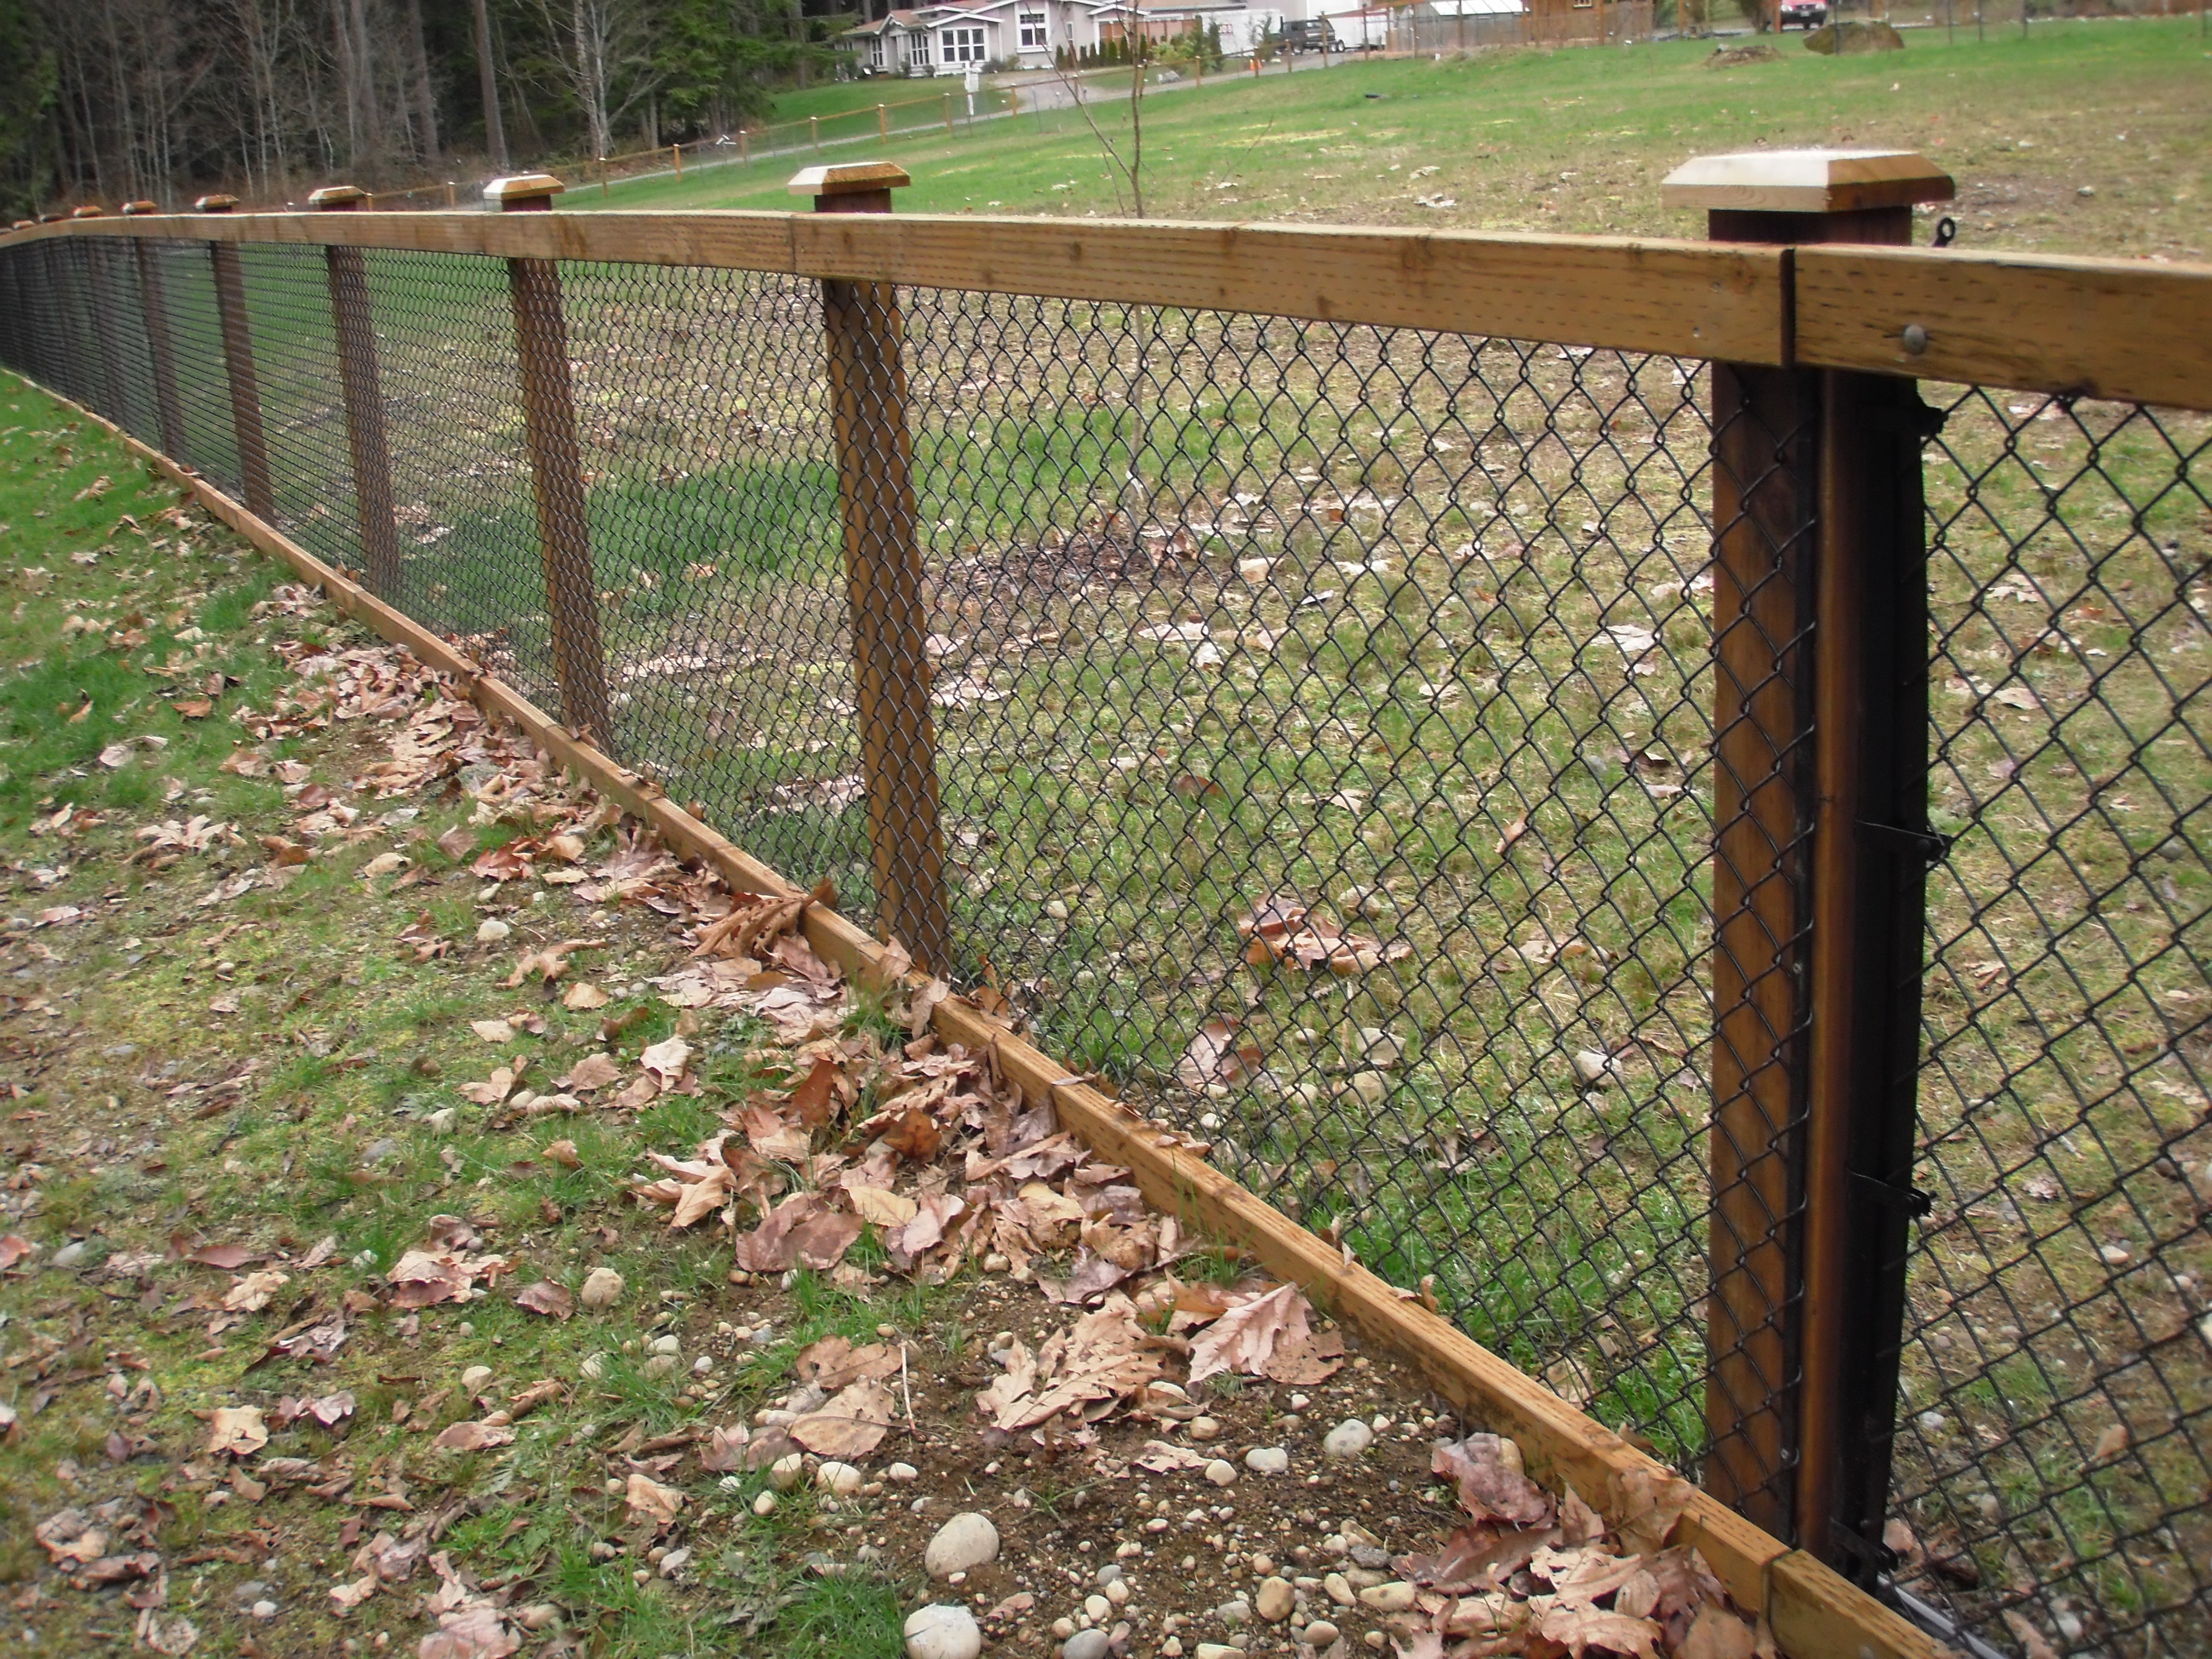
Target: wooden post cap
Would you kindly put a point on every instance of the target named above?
(140, 210)
(215, 205)
(523, 193)
(23, 224)
(89, 212)
(849, 178)
(337, 199)
(1807, 181)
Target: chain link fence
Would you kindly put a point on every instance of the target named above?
(1345, 743)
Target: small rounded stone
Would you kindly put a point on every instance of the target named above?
(765, 1504)
(602, 1288)
(1221, 1472)
(1319, 1634)
(1204, 1428)
(943, 1630)
(1267, 1460)
(902, 1473)
(1347, 1439)
(966, 1540)
(1086, 1645)
(839, 1479)
(1275, 1599)
(787, 1472)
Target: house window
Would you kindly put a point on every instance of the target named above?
(876, 52)
(1033, 32)
(962, 45)
(917, 52)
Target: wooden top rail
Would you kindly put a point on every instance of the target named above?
(1686, 298)
(2100, 328)
(2105, 328)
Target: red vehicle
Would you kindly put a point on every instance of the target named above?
(1805, 14)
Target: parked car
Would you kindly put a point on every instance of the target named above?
(1805, 14)
(1306, 35)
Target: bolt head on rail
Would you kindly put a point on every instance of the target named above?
(851, 186)
(337, 199)
(215, 205)
(525, 192)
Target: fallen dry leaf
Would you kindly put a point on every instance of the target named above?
(1491, 1485)
(582, 994)
(546, 1298)
(649, 1500)
(493, 1030)
(237, 1429)
(475, 1436)
(850, 1424)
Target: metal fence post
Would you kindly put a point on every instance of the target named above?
(556, 466)
(1821, 723)
(355, 324)
(866, 340)
(238, 363)
(99, 268)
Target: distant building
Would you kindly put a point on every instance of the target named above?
(952, 38)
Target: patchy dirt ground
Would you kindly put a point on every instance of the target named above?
(436, 1219)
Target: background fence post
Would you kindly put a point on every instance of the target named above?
(1820, 805)
(237, 361)
(355, 324)
(882, 574)
(99, 268)
(161, 347)
(556, 466)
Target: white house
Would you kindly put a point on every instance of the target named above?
(949, 38)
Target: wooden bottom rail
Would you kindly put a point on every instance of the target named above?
(1814, 1613)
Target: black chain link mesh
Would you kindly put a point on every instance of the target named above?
(2054, 1464)
(1326, 758)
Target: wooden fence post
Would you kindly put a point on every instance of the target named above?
(676, 155)
(1819, 724)
(154, 302)
(237, 361)
(356, 325)
(864, 338)
(882, 121)
(556, 467)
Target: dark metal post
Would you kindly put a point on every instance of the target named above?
(865, 338)
(237, 361)
(556, 466)
(154, 306)
(356, 325)
(1820, 813)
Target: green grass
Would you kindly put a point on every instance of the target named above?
(354, 1040)
(1577, 140)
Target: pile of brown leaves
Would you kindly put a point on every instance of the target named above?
(1528, 1575)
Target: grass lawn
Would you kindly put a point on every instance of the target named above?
(1577, 140)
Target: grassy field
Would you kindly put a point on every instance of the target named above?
(1577, 140)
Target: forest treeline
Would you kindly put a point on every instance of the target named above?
(114, 100)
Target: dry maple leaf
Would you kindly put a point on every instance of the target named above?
(649, 1500)
(1104, 1356)
(1476, 1557)
(237, 1429)
(1248, 1335)
(1215, 1059)
(477, 1631)
(475, 1436)
(1490, 1487)
(666, 1061)
(1580, 1629)
(546, 1298)
(850, 1424)
(702, 1198)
